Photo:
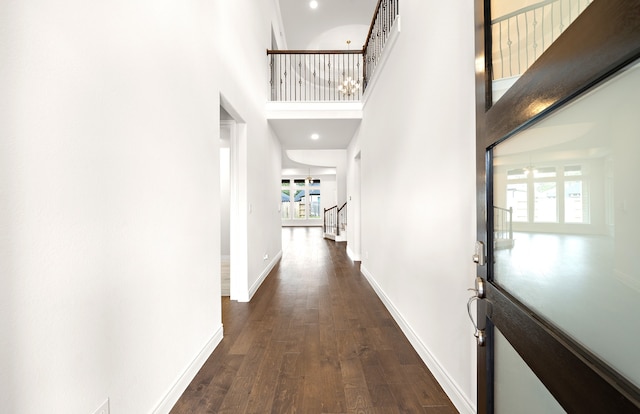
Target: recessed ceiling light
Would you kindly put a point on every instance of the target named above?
(315, 136)
(313, 4)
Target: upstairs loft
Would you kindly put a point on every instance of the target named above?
(519, 37)
(333, 75)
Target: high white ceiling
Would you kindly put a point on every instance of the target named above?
(296, 133)
(327, 27)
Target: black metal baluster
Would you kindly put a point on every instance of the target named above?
(500, 48)
(280, 75)
(542, 31)
(509, 42)
(526, 25)
(518, 42)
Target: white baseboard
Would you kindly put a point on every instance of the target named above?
(448, 384)
(185, 379)
(254, 288)
(352, 255)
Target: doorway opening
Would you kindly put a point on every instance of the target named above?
(233, 203)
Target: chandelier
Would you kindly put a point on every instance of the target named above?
(349, 86)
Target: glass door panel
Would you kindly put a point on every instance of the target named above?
(517, 389)
(573, 254)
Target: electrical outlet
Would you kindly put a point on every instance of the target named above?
(266, 256)
(103, 409)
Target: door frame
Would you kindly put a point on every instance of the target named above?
(238, 205)
(604, 39)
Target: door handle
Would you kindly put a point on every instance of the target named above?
(480, 334)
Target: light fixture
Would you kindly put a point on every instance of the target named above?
(348, 86)
(530, 169)
(315, 137)
(313, 4)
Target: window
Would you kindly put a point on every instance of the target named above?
(300, 199)
(544, 208)
(533, 194)
(575, 206)
(517, 200)
(286, 200)
(314, 199)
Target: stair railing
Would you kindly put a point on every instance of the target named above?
(330, 223)
(503, 223)
(342, 219)
(335, 219)
(383, 19)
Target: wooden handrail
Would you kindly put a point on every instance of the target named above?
(373, 22)
(314, 52)
(522, 11)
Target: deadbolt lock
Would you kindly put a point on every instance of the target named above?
(478, 256)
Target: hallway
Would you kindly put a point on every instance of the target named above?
(314, 339)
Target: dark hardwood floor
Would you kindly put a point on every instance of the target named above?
(314, 339)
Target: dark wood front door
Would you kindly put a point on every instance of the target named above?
(558, 192)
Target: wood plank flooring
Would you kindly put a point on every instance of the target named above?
(314, 339)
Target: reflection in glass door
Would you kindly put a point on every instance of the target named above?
(573, 181)
(523, 29)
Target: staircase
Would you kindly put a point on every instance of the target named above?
(335, 223)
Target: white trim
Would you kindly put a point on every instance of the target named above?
(302, 223)
(254, 288)
(239, 208)
(189, 374)
(353, 256)
(384, 57)
(313, 110)
(449, 385)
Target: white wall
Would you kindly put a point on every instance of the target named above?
(417, 142)
(109, 183)
(244, 32)
(354, 216)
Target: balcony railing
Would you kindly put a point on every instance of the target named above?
(315, 75)
(519, 38)
(331, 75)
